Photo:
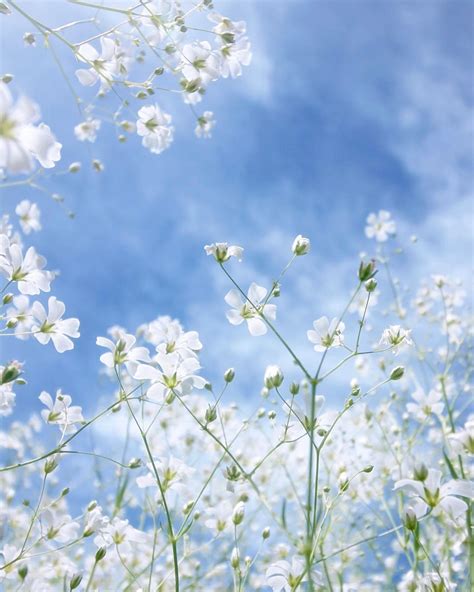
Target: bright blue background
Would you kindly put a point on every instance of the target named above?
(348, 107)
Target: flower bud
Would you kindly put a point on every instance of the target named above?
(100, 554)
(229, 375)
(92, 506)
(368, 469)
(65, 492)
(409, 519)
(10, 373)
(294, 388)
(134, 463)
(23, 572)
(301, 245)
(367, 270)
(273, 377)
(75, 581)
(7, 298)
(12, 323)
(397, 373)
(50, 465)
(211, 414)
(74, 167)
(371, 285)
(265, 533)
(235, 558)
(420, 472)
(7, 78)
(238, 513)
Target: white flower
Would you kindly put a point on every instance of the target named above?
(171, 471)
(326, 334)
(26, 271)
(380, 226)
(20, 313)
(154, 127)
(252, 310)
(425, 404)
(7, 398)
(301, 245)
(105, 66)
(396, 338)
(60, 411)
(123, 352)
(87, 130)
(463, 441)
(431, 494)
(199, 62)
(119, 532)
(173, 375)
(226, 29)
(205, 123)
(29, 215)
(21, 142)
(51, 325)
(58, 527)
(234, 56)
(223, 251)
(283, 576)
(219, 517)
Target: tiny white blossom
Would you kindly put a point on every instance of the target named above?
(326, 334)
(123, 352)
(87, 130)
(27, 271)
(105, 66)
(426, 404)
(22, 142)
(380, 226)
(430, 494)
(301, 245)
(205, 123)
(223, 251)
(60, 411)
(51, 326)
(251, 310)
(199, 62)
(29, 215)
(396, 338)
(154, 126)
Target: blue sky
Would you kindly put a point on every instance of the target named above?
(348, 107)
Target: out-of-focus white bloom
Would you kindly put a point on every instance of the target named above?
(104, 66)
(123, 352)
(60, 411)
(301, 245)
(51, 326)
(121, 533)
(171, 472)
(252, 310)
(172, 375)
(380, 226)
(223, 251)
(326, 334)
(26, 271)
(57, 526)
(154, 127)
(21, 142)
(226, 29)
(430, 494)
(425, 404)
(463, 440)
(7, 398)
(29, 215)
(219, 517)
(205, 123)
(87, 130)
(396, 338)
(233, 57)
(199, 63)
(283, 576)
(20, 314)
